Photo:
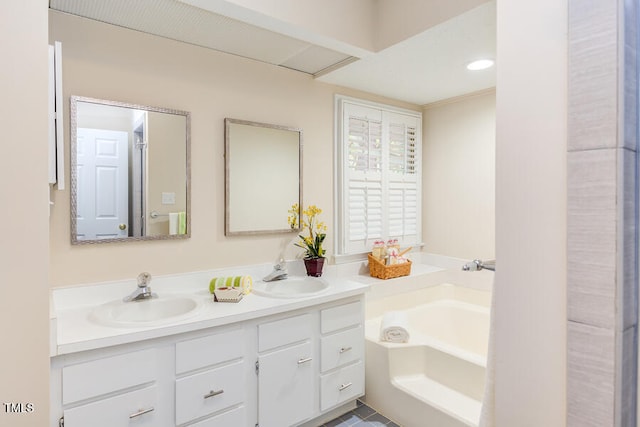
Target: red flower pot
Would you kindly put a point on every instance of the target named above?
(314, 266)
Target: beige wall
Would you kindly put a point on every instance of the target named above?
(367, 25)
(24, 296)
(458, 160)
(398, 20)
(352, 22)
(144, 69)
(531, 198)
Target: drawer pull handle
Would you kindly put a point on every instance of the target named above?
(141, 412)
(344, 349)
(213, 393)
(344, 386)
(301, 361)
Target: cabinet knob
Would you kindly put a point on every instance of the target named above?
(305, 360)
(344, 349)
(213, 393)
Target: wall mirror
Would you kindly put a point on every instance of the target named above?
(130, 173)
(263, 176)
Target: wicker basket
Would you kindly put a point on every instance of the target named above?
(381, 271)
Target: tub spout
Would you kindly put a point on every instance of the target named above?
(478, 264)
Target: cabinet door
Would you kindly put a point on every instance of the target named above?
(137, 408)
(208, 392)
(234, 418)
(108, 375)
(341, 348)
(286, 386)
(341, 386)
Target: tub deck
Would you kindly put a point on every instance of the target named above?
(441, 397)
(437, 378)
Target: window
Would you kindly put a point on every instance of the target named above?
(378, 175)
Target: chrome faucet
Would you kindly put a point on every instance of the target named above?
(143, 291)
(279, 272)
(477, 265)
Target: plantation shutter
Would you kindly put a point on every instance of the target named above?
(380, 178)
(402, 179)
(363, 177)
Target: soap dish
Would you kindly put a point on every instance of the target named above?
(227, 295)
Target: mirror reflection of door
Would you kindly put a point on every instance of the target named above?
(102, 159)
(148, 190)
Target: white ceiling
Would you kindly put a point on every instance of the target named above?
(430, 66)
(425, 68)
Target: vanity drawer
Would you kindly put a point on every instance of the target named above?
(235, 417)
(137, 408)
(341, 386)
(341, 348)
(340, 317)
(210, 350)
(90, 379)
(210, 391)
(282, 332)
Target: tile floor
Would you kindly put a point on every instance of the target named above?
(362, 416)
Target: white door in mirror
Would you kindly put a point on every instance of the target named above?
(102, 158)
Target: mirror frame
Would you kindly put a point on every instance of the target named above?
(74, 99)
(227, 195)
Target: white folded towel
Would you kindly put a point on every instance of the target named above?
(394, 327)
(173, 223)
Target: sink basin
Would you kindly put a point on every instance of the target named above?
(163, 309)
(293, 287)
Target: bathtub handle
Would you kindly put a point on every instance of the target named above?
(344, 349)
(301, 361)
(344, 386)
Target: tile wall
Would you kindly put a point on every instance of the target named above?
(602, 207)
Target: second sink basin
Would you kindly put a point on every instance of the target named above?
(293, 287)
(146, 312)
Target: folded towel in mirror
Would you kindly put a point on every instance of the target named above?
(173, 223)
(394, 327)
(182, 223)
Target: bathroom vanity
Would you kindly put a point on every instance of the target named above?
(265, 361)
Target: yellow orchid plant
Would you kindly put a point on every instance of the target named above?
(313, 230)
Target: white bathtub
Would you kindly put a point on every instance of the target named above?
(437, 378)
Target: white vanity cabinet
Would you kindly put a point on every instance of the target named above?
(281, 369)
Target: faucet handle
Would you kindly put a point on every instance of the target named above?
(144, 279)
(282, 265)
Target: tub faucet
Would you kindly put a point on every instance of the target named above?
(143, 291)
(279, 272)
(478, 264)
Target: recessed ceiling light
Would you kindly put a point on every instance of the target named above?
(480, 64)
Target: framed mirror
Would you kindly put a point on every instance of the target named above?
(130, 172)
(263, 176)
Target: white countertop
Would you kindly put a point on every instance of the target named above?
(73, 330)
